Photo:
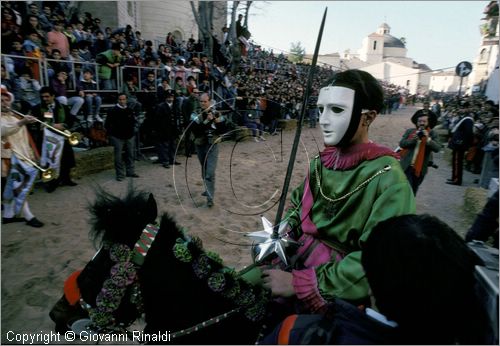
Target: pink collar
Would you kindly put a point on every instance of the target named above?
(345, 158)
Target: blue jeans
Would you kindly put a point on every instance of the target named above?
(254, 127)
(120, 145)
(207, 155)
(89, 100)
(75, 102)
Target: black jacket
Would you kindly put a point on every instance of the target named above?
(164, 122)
(120, 122)
(463, 136)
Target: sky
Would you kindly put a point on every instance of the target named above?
(439, 34)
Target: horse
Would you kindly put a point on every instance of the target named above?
(184, 291)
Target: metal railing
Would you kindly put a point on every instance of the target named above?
(8, 62)
(46, 72)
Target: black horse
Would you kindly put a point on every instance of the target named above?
(185, 292)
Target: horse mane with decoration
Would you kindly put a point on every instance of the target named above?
(160, 272)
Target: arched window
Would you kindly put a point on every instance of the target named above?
(483, 56)
(178, 35)
(374, 45)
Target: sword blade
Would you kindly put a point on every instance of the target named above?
(296, 140)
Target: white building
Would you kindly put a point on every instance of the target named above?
(384, 56)
(484, 76)
(447, 81)
(154, 19)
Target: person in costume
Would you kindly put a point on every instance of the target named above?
(418, 144)
(415, 298)
(53, 113)
(352, 185)
(461, 139)
(15, 139)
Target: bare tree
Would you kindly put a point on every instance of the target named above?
(247, 10)
(204, 18)
(235, 46)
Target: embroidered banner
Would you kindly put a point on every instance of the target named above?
(52, 147)
(19, 182)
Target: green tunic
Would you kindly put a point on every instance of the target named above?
(348, 222)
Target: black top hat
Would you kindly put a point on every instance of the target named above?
(422, 112)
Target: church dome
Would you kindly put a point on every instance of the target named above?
(390, 41)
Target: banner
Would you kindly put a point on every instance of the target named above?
(19, 182)
(52, 147)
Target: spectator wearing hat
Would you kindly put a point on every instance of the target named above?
(418, 144)
(165, 130)
(462, 135)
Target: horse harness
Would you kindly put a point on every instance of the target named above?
(139, 254)
(135, 260)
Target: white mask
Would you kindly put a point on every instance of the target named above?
(336, 105)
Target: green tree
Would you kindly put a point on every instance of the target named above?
(297, 52)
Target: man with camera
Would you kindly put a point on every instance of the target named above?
(417, 145)
(207, 126)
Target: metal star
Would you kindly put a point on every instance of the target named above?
(268, 244)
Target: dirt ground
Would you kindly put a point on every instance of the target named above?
(35, 262)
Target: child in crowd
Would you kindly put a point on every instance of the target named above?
(87, 90)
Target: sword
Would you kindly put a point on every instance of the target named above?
(296, 140)
(273, 239)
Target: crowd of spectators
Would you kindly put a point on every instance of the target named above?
(49, 43)
(482, 155)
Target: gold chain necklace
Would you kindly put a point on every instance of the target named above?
(387, 168)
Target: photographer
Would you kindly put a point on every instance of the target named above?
(207, 125)
(418, 145)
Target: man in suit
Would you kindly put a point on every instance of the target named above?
(165, 130)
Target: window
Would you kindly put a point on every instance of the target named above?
(483, 56)
(130, 8)
(407, 82)
(374, 45)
